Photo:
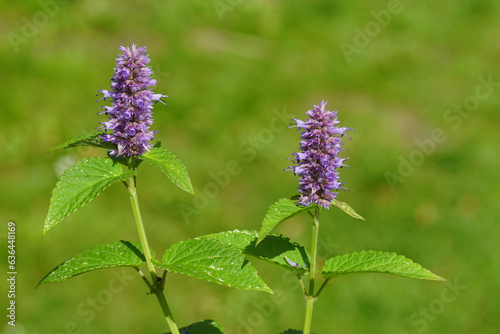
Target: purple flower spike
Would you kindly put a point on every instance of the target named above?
(130, 116)
(318, 161)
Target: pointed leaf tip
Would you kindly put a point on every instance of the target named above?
(79, 184)
(376, 262)
(171, 166)
(110, 255)
(347, 209)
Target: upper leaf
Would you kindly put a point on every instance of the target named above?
(171, 166)
(376, 262)
(347, 209)
(278, 212)
(92, 139)
(275, 249)
(80, 184)
(212, 261)
(114, 254)
(203, 327)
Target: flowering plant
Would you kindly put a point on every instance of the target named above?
(220, 257)
(127, 139)
(317, 166)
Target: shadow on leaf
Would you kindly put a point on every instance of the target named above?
(134, 249)
(274, 246)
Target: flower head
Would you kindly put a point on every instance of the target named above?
(130, 116)
(317, 163)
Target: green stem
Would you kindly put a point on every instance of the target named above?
(134, 200)
(312, 274)
(166, 311)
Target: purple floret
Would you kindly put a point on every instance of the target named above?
(130, 116)
(317, 163)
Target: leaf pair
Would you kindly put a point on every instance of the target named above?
(274, 248)
(86, 179)
(207, 258)
(286, 208)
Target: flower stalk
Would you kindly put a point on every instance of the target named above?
(134, 200)
(311, 296)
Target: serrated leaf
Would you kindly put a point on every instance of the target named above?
(347, 209)
(202, 327)
(171, 166)
(275, 249)
(239, 239)
(280, 211)
(92, 139)
(81, 183)
(376, 262)
(213, 261)
(292, 331)
(110, 255)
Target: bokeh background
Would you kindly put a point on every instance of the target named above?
(419, 81)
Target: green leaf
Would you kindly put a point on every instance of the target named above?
(278, 212)
(114, 254)
(203, 327)
(81, 183)
(239, 239)
(347, 209)
(213, 261)
(376, 262)
(292, 331)
(171, 166)
(92, 139)
(275, 249)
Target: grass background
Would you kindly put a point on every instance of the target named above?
(228, 72)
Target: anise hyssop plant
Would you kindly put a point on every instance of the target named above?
(317, 166)
(127, 137)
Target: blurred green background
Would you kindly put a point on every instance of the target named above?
(397, 72)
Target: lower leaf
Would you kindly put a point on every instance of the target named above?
(213, 261)
(111, 255)
(376, 262)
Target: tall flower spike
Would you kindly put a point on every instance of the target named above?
(317, 163)
(130, 116)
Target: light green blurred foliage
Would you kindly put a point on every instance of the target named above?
(225, 74)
